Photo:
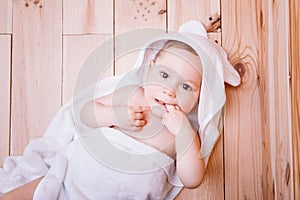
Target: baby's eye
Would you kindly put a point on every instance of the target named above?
(187, 87)
(164, 75)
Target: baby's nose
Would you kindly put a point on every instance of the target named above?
(170, 92)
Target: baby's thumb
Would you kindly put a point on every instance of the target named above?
(141, 108)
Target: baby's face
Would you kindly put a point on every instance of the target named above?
(174, 79)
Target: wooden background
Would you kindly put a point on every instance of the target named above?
(44, 42)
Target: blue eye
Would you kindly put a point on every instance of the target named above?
(187, 87)
(164, 75)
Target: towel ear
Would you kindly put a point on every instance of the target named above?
(194, 27)
(231, 76)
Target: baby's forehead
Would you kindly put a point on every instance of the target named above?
(174, 54)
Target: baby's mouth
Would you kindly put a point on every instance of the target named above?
(161, 103)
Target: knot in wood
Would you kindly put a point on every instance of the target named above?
(240, 68)
(215, 24)
(287, 173)
(162, 12)
(36, 2)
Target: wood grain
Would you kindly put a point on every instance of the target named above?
(180, 11)
(275, 95)
(257, 146)
(242, 120)
(5, 61)
(131, 15)
(76, 50)
(5, 16)
(87, 17)
(295, 91)
(134, 14)
(36, 69)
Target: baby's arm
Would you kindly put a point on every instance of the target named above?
(24, 192)
(97, 113)
(115, 110)
(190, 167)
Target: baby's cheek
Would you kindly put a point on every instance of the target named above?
(187, 102)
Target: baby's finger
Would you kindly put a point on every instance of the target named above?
(139, 122)
(138, 115)
(170, 108)
(141, 108)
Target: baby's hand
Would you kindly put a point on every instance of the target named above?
(174, 119)
(131, 118)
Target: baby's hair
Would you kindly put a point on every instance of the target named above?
(176, 44)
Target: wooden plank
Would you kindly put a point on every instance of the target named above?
(276, 71)
(181, 11)
(36, 69)
(242, 119)
(129, 16)
(5, 16)
(5, 52)
(76, 50)
(295, 91)
(257, 133)
(87, 17)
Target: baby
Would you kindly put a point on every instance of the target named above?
(155, 114)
